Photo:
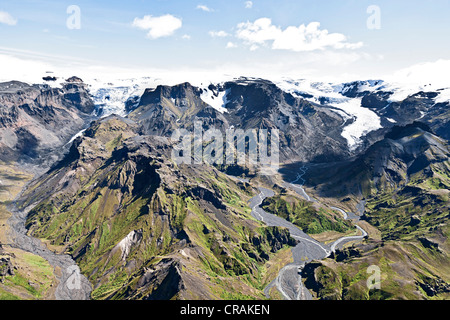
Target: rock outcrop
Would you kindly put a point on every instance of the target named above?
(6, 267)
(37, 119)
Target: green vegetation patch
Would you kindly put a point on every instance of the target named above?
(304, 215)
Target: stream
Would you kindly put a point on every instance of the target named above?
(72, 285)
(289, 282)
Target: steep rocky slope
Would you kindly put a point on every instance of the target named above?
(405, 179)
(141, 227)
(408, 243)
(308, 132)
(428, 106)
(37, 119)
(407, 154)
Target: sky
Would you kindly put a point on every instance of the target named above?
(333, 39)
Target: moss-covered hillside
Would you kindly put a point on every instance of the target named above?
(141, 227)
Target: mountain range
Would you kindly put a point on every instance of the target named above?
(102, 188)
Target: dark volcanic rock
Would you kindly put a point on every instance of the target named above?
(165, 279)
(308, 132)
(376, 100)
(37, 119)
(49, 78)
(429, 244)
(433, 286)
(74, 79)
(6, 267)
(354, 89)
(405, 151)
(347, 253)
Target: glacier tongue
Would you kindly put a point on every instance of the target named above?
(365, 121)
(111, 96)
(112, 100)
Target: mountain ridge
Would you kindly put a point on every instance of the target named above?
(141, 227)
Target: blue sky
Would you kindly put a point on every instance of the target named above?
(231, 35)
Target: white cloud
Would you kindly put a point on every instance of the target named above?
(204, 8)
(303, 38)
(28, 70)
(186, 37)
(426, 76)
(248, 4)
(432, 71)
(218, 34)
(231, 45)
(6, 18)
(158, 27)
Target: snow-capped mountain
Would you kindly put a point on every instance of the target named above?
(355, 112)
(368, 105)
(112, 97)
(364, 106)
(345, 100)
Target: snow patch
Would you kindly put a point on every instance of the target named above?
(75, 136)
(444, 96)
(128, 242)
(303, 88)
(217, 101)
(362, 86)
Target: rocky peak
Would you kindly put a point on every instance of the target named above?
(180, 91)
(360, 88)
(74, 79)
